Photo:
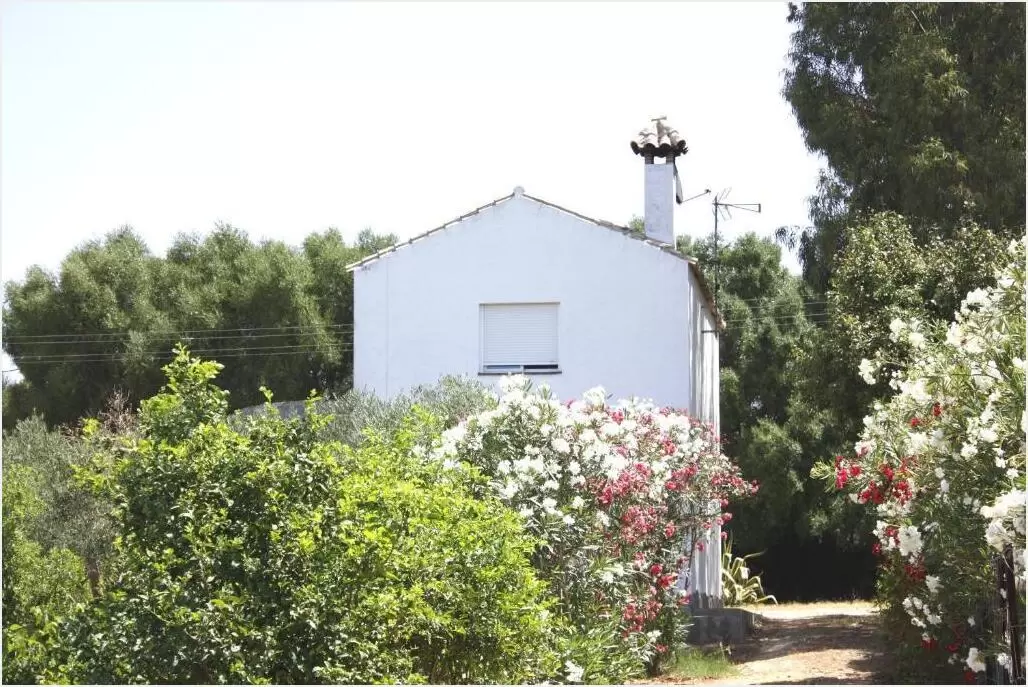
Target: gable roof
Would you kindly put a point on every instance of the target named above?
(694, 267)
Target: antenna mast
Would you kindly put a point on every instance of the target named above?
(720, 206)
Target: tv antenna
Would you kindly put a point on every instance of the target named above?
(698, 195)
(723, 210)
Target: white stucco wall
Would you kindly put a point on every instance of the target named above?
(629, 315)
(659, 197)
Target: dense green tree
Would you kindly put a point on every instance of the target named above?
(257, 299)
(917, 108)
(332, 289)
(57, 328)
(884, 273)
(775, 437)
(919, 112)
(278, 316)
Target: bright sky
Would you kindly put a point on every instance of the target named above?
(288, 118)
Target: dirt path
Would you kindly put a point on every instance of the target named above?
(809, 644)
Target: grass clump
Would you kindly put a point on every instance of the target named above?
(701, 663)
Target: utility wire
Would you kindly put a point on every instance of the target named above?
(780, 319)
(223, 349)
(171, 335)
(197, 332)
(221, 333)
(775, 297)
(121, 357)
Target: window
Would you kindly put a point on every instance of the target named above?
(519, 337)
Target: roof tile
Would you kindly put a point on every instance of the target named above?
(659, 141)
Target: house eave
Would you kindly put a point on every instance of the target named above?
(423, 235)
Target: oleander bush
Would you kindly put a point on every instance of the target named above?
(619, 497)
(942, 463)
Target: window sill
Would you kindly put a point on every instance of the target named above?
(527, 373)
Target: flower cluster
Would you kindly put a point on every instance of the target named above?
(1006, 527)
(950, 439)
(615, 493)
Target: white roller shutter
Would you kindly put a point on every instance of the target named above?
(519, 335)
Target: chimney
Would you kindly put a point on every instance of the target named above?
(661, 179)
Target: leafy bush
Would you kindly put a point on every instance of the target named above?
(452, 399)
(943, 465)
(614, 494)
(66, 516)
(269, 555)
(40, 585)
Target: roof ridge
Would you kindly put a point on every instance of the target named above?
(664, 247)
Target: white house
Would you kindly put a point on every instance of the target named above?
(524, 285)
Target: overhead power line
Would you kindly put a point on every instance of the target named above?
(769, 302)
(222, 349)
(194, 332)
(160, 335)
(779, 318)
(119, 357)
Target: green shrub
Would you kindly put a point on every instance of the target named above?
(452, 399)
(39, 585)
(269, 555)
(67, 516)
(941, 466)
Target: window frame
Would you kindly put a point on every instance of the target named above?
(526, 368)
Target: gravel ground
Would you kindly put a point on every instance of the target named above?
(802, 644)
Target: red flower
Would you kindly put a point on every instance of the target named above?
(936, 410)
(669, 530)
(929, 644)
(660, 648)
(841, 478)
(876, 549)
(969, 677)
(656, 569)
(854, 470)
(914, 422)
(953, 647)
(915, 572)
(901, 490)
(887, 470)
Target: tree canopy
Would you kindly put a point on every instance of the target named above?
(107, 320)
(918, 109)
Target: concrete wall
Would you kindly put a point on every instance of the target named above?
(628, 317)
